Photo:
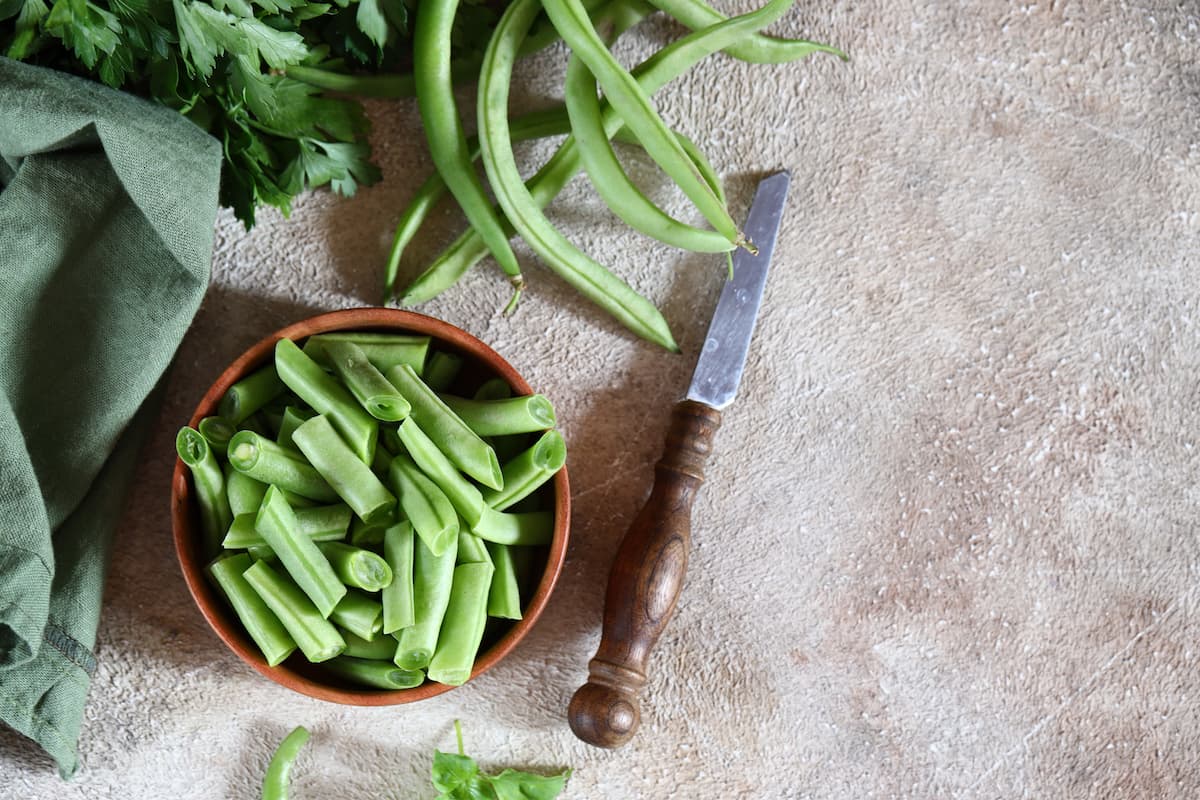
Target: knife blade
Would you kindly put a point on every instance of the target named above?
(648, 571)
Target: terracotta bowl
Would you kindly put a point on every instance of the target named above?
(480, 363)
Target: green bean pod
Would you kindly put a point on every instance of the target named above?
(217, 431)
(755, 48)
(461, 493)
(378, 674)
(428, 509)
(357, 567)
(319, 523)
(529, 470)
(259, 621)
(398, 594)
(378, 648)
(359, 614)
(325, 394)
(372, 391)
(300, 556)
(353, 480)
(472, 549)
(451, 435)
(275, 782)
(266, 462)
(441, 370)
(384, 350)
(444, 131)
(527, 414)
(316, 636)
(250, 394)
(524, 528)
(292, 418)
(504, 595)
(209, 483)
(433, 576)
(462, 628)
(245, 494)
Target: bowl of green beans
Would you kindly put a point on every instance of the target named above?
(371, 506)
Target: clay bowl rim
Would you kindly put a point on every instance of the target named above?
(213, 608)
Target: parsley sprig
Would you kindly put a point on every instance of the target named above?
(221, 63)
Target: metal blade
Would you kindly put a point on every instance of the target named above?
(719, 369)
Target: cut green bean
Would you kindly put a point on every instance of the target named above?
(461, 493)
(472, 549)
(357, 567)
(379, 674)
(319, 523)
(526, 414)
(461, 445)
(504, 596)
(323, 392)
(524, 528)
(389, 439)
(755, 48)
(444, 129)
(316, 636)
(217, 431)
(529, 470)
(209, 484)
(245, 494)
(259, 621)
(380, 647)
(359, 614)
(250, 394)
(300, 556)
(608, 176)
(275, 782)
(432, 578)
(292, 418)
(363, 534)
(428, 509)
(462, 628)
(493, 389)
(384, 350)
(441, 370)
(353, 480)
(262, 552)
(367, 384)
(266, 462)
(398, 612)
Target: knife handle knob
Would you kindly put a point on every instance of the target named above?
(644, 584)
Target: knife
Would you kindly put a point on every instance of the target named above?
(647, 573)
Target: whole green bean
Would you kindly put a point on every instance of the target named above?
(621, 195)
(529, 470)
(380, 647)
(526, 414)
(755, 48)
(451, 435)
(380, 674)
(384, 350)
(585, 274)
(504, 595)
(398, 594)
(428, 509)
(245, 494)
(632, 102)
(444, 131)
(209, 484)
(357, 567)
(259, 621)
(432, 578)
(217, 431)
(524, 528)
(315, 635)
(359, 614)
(250, 394)
(367, 384)
(319, 523)
(300, 556)
(655, 72)
(353, 480)
(275, 782)
(461, 493)
(321, 391)
(462, 628)
(267, 462)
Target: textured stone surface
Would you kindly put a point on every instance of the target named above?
(948, 542)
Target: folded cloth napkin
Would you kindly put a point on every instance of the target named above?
(107, 205)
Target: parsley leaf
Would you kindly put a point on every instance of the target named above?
(457, 777)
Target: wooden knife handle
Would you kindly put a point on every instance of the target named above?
(644, 584)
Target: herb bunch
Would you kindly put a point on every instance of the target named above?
(223, 64)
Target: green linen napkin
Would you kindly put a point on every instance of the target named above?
(107, 205)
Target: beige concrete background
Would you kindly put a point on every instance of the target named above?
(948, 543)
